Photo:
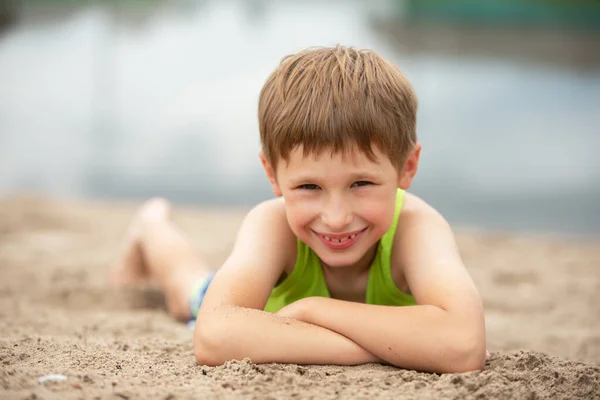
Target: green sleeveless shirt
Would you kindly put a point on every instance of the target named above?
(307, 277)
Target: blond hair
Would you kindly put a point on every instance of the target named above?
(338, 99)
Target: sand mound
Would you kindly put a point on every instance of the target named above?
(59, 316)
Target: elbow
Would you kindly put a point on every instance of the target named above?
(466, 357)
(473, 361)
(468, 348)
(204, 355)
(207, 345)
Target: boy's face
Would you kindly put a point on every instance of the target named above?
(338, 205)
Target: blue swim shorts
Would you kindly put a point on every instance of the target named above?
(197, 295)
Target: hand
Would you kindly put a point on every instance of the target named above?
(298, 310)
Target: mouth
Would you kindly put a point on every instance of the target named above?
(340, 241)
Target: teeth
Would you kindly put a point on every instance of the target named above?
(340, 240)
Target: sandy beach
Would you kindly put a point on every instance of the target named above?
(59, 315)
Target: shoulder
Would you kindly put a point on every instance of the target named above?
(257, 260)
(417, 213)
(415, 217)
(418, 216)
(272, 210)
(268, 220)
(414, 205)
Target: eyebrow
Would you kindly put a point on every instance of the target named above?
(302, 179)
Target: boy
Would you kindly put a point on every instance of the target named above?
(344, 266)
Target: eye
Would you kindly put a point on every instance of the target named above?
(361, 183)
(308, 186)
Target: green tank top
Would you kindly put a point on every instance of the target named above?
(307, 277)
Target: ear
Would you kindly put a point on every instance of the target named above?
(410, 167)
(270, 174)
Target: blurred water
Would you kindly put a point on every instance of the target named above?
(128, 104)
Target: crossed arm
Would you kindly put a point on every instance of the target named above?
(445, 333)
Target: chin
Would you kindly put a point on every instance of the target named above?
(340, 260)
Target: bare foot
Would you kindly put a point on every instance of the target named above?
(130, 267)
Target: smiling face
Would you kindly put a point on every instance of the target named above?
(340, 205)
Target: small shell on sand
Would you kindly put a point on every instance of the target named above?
(52, 378)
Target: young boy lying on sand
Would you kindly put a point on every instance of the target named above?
(344, 266)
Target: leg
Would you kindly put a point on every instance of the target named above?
(155, 249)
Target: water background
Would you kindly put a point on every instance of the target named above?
(134, 101)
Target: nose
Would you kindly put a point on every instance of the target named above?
(337, 215)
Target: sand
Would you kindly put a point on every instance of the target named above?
(59, 315)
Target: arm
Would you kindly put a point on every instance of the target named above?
(231, 323)
(444, 333)
(238, 332)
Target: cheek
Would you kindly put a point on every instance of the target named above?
(379, 212)
(300, 214)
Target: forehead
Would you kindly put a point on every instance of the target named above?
(327, 162)
(349, 156)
